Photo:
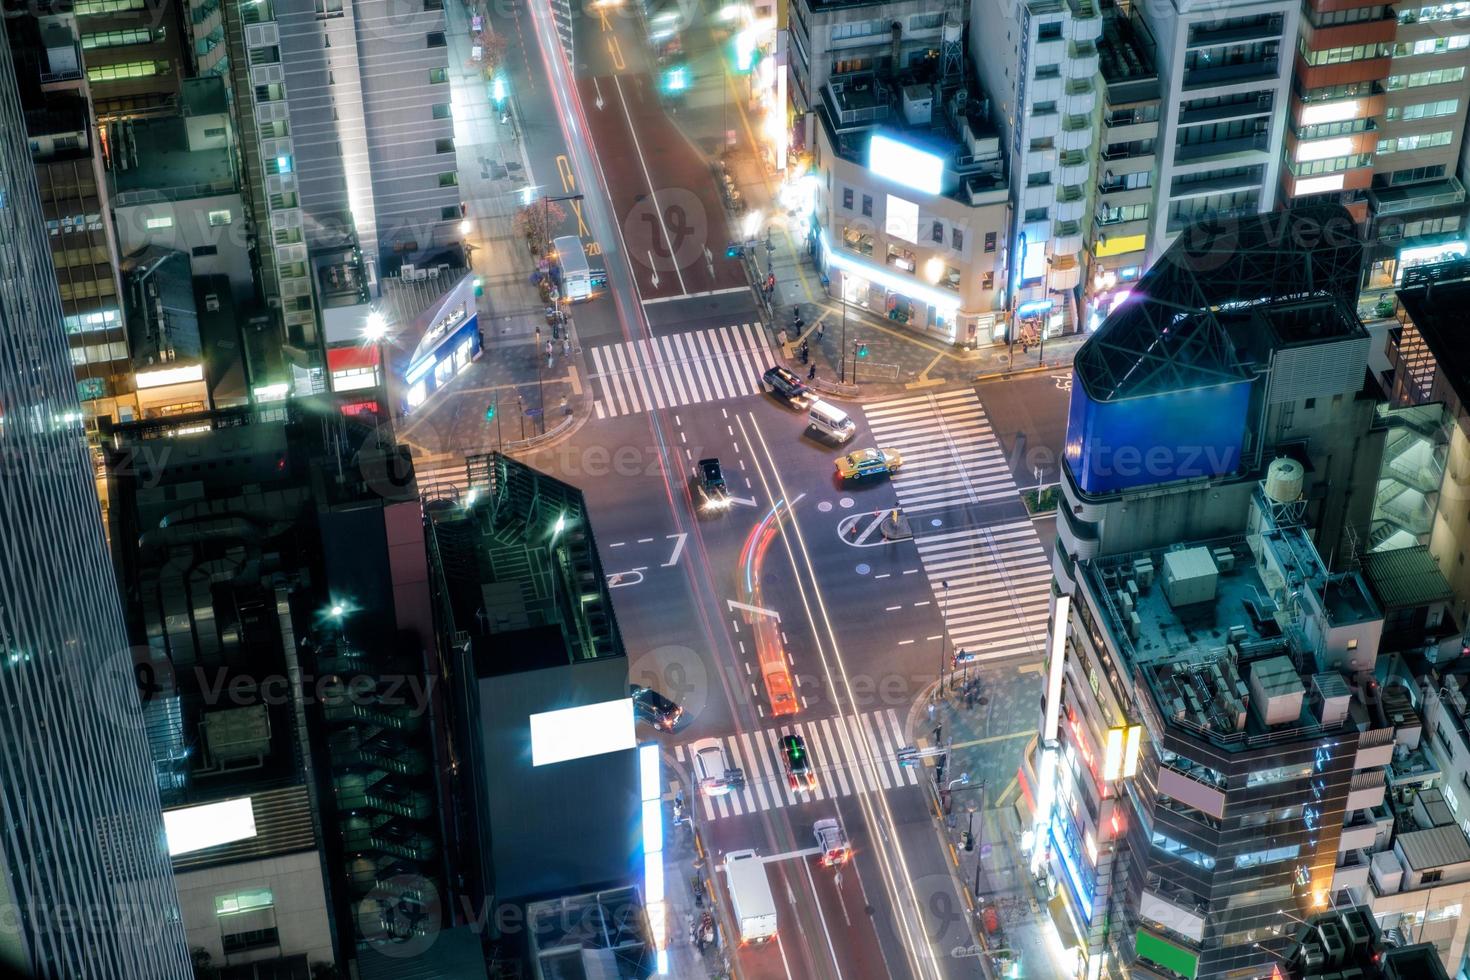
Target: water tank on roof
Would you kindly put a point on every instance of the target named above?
(1284, 481)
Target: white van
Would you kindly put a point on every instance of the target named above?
(830, 421)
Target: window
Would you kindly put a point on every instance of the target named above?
(435, 39)
(444, 146)
(1310, 404)
(925, 22)
(204, 251)
(1038, 180)
(131, 69)
(990, 241)
(1268, 856)
(1419, 79)
(86, 8)
(116, 39)
(1048, 71)
(1126, 212)
(217, 218)
(1336, 18)
(1279, 774)
(1442, 11)
(867, 206)
(860, 28)
(159, 223)
(1037, 214)
(847, 198)
(1430, 877)
(1340, 56)
(1432, 45)
(433, 4)
(1417, 141)
(937, 232)
(438, 76)
(329, 8)
(1049, 32)
(450, 179)
(449, 213)
(441, 110)
(1424, 110)
(1044, 109)
(214, 133)
(957, 239)
(987, 281)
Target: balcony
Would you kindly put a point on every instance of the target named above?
(1366, 790)
(1375, 748)
(1351, 872)
(1082, 60)
(1253, 143)
(1416, 197)
(1259, 106)
(1219, 75)
(1073, 166)
(855, 101)
(1208, 36)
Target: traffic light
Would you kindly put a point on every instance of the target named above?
(732, 250)
(490, 412)
(676, 79)
(862, 350)
(479, 286)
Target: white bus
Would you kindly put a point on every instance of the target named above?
(576, 274)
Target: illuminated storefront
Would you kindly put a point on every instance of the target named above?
(449, 339)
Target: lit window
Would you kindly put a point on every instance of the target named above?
(217, 218)
(155, 224)
(243, 901)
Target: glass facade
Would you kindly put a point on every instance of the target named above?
(86, 889)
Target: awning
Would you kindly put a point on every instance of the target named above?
(1059, 917)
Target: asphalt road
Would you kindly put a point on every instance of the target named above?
(1029, 413)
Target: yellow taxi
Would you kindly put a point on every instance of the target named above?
(865, 463)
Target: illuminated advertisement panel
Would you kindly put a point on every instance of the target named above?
(586, 730)
(905, 164)
(1176, 435)
(901, 219)
(193, 828)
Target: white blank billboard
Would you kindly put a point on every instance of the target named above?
(194, 828)
(576, 733)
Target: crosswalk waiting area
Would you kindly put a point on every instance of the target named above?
(993, 587)
(863, 759)
(992, 583)
(950, 454)
(679, 369)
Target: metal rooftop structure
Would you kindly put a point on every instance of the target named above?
(1199, 307)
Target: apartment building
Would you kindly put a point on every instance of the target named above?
(1225, 71)
(1208, 740)
(1377, 124)
(134, 53)
(1127, 168)
(1043, 80)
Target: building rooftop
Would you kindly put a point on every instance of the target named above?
(1436, 847)
(519, 560)
(1121, 54)
(912, 108)
(1404, 578)
(1224, 293)
(154, 162)
(1207, 628)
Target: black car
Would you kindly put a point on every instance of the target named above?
(799, 772)
(787, 386)
(654, 708)
(714, 494)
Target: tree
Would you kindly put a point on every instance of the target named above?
(536, 220)
(493, 47)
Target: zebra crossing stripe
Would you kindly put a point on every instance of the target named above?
(667, 371)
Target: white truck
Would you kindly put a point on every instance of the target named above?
(750, 897)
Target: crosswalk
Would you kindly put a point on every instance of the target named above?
(950, 454)
(993, 587)
(679, 369)
(861, 759)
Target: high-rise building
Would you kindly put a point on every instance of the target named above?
(1043, 80)
(1226, 71)
(1377, 124)
(84, 874)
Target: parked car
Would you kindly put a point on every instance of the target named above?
(654, 708)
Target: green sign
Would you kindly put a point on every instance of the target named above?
(1165, 953)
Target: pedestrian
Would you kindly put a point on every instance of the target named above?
(821, 329)
(811, 374)
(931, 710)
(566, 347)
(548, 350)
(564, 409)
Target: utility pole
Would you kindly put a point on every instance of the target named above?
(979, 848)
(943, 635)
(842, 348)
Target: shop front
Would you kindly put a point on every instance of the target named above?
(864, 285)
(449, 341)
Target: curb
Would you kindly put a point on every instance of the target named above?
(1019, 372)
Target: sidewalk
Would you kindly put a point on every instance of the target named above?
(1009, 906)
(689, 895)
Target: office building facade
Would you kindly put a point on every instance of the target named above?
(84, 873)
(1377, 124)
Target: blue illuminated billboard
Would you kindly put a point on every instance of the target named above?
(1175, 435)
(905, 164)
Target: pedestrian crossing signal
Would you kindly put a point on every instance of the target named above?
(479, 286)
(862, 350)
(732, 250)
(489, 412)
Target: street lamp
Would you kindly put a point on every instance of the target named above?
(465, 226)
(374, 332)
(943, 636)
